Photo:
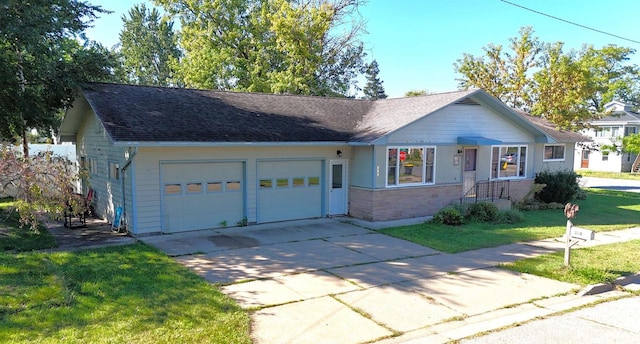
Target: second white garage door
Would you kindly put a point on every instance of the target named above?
(289, 190)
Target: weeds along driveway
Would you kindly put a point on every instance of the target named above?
(329, 281)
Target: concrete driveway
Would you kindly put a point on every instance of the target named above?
(331, 281)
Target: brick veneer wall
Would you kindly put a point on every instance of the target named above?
(401, 203)
(519, 188)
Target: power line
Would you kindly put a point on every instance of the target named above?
(570, 22)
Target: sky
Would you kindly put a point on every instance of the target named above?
(416, 42)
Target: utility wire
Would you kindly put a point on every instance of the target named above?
(570, 22)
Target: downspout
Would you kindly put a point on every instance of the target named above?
(123, 169)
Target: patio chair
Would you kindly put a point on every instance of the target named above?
(77, 208)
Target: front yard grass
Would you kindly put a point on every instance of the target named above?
(126, 294)
(14, 238)
(603, 210)
(590, 265)
(613, 175)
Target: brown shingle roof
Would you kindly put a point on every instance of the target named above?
(388, 115)
(132, 113)
(552, 129)
(142, 114)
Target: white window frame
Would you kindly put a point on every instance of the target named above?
(630, 130)
(187, 184)
(564, 152)
(607, 131)
(114, 167)
(164, 190)
(397, 170)
(524, 174)
(92, 166)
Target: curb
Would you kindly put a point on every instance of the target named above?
(631, 282)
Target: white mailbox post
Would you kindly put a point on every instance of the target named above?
(577, 233)
(582, 234)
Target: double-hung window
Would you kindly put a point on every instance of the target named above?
(508, 162)
(411, 165)
(554, 153)
(114, 170)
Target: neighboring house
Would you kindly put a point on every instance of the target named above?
(184, 159)
(605, 133)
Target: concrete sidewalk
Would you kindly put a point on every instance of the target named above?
(331, 281)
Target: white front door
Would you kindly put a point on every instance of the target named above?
(338, 187)
(469, 172)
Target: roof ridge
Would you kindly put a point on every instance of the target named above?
(229, 91)
(429, 95)
(279, 94)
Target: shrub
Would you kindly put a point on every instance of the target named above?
(483, 212)
(509, 216)
(562, 186)
(448, 216)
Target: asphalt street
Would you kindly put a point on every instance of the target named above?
(611, 184)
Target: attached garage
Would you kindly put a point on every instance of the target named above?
(289, 190)
(199, 195)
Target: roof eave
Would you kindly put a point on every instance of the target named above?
(73, 117)
(226, 144)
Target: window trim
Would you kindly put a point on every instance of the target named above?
(232, 181)
(520, 146)
(164, 190)
(188, 192)
(607, 131)
(116, 167)
(564, 152)
(92, 166)
(397, 169)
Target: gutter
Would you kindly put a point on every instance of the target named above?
(122, 173)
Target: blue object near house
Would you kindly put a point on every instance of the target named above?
(115, 225)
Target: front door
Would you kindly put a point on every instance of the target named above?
(338, 188)
(469, 171)
(584, 163)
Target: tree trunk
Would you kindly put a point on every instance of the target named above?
(25, 145)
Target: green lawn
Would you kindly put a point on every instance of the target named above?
(614, 175)
(588, 265)
(127, 294)
(14, 238)
(603, 210)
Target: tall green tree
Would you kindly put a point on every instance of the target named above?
(148, 48)
(416, 93)
(274, 46)
(42, 62)
(568, 88)
(631, 143)
(503, 74)
(373, 89)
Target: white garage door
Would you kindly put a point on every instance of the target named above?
(289, 190)
(202, 195)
